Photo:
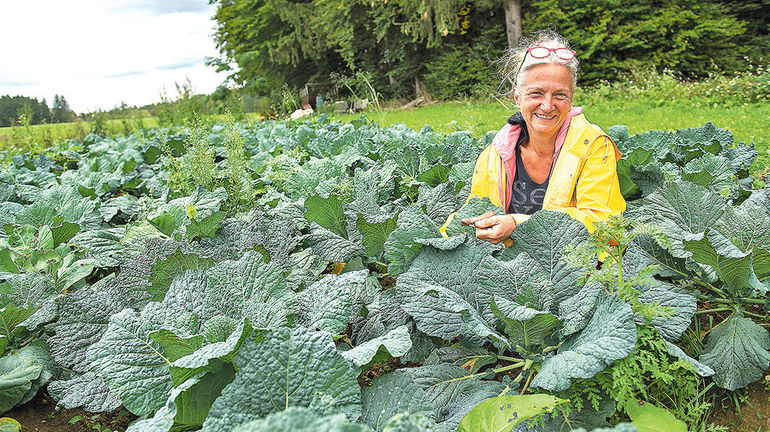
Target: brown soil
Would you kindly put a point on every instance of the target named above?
(40, 415)
(755, 410)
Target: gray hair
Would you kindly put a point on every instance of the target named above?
(513, 71)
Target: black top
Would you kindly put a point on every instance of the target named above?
(527, 195)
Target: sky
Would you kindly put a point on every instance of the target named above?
(99, 54)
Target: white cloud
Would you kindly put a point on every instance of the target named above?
(100, 55)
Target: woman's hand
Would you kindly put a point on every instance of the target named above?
(492, 228)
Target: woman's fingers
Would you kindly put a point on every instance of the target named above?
(495, 229)
(473, 220)
(488, 222)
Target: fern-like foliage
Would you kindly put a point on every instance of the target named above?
(606, 245)
(649, 374)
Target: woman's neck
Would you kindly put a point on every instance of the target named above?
(543, 146)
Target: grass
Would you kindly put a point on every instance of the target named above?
(748, 123)
(48, 134)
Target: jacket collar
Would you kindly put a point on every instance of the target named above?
(506, 138)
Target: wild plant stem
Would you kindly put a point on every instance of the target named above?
(510, 359)
(509, 367)
(764, 317)
(725, 301)
(526, 384)
(723, 309)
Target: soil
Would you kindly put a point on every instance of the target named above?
(755, 410)
(40, 415)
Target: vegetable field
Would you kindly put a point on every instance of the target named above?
(291, 276)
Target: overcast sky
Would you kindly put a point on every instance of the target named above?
(101, 53)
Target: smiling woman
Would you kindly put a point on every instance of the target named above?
(547, 156)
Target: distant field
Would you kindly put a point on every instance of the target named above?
(748, 123)
(51, 133)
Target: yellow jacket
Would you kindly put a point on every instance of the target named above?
(584, 180)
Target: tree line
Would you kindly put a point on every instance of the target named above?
(449, 47)
(19, 109)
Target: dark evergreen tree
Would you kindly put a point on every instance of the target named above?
(61, 112)
(450, 45)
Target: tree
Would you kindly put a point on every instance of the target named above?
(11, 107)
(61, 112)
(42, 113)
(616, 37)
(513, 21)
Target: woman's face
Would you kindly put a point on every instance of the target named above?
(545, 98)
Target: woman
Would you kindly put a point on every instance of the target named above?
(548, 156)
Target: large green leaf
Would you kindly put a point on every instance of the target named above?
(396, 342)
(210, 355)
(163, 420)
(438, 202)
(456, 269)
(83, 318)
(132, 364)
(205, 203)
(401, 248)
(127, 204)
(59, 204)
(11, 317)
(327, 304)
(204, 227)
(452, 392)
(748, 228)
(502, 413)
(165, 269)
(175, 346)
(26, 289)
(524, 326)
(738, 352)
(441, 293)
(248, 287)
(73, 273)
(544, 237)
(193, 405)
(734, 267)
(713, 172)
(16, 376)
(556, 289)
(649, 418)
(681, 304)
(277, 235)
(644, 251)
(39, 353)
(609, 336)
(474, 207)
(87, 391)
(297, 419)
(104, 245)
(392, 394)
(375, 234)
(327, 212)
(305, 268)
(375, 312)
(331, 246)
(288, 368)
(681, 209)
